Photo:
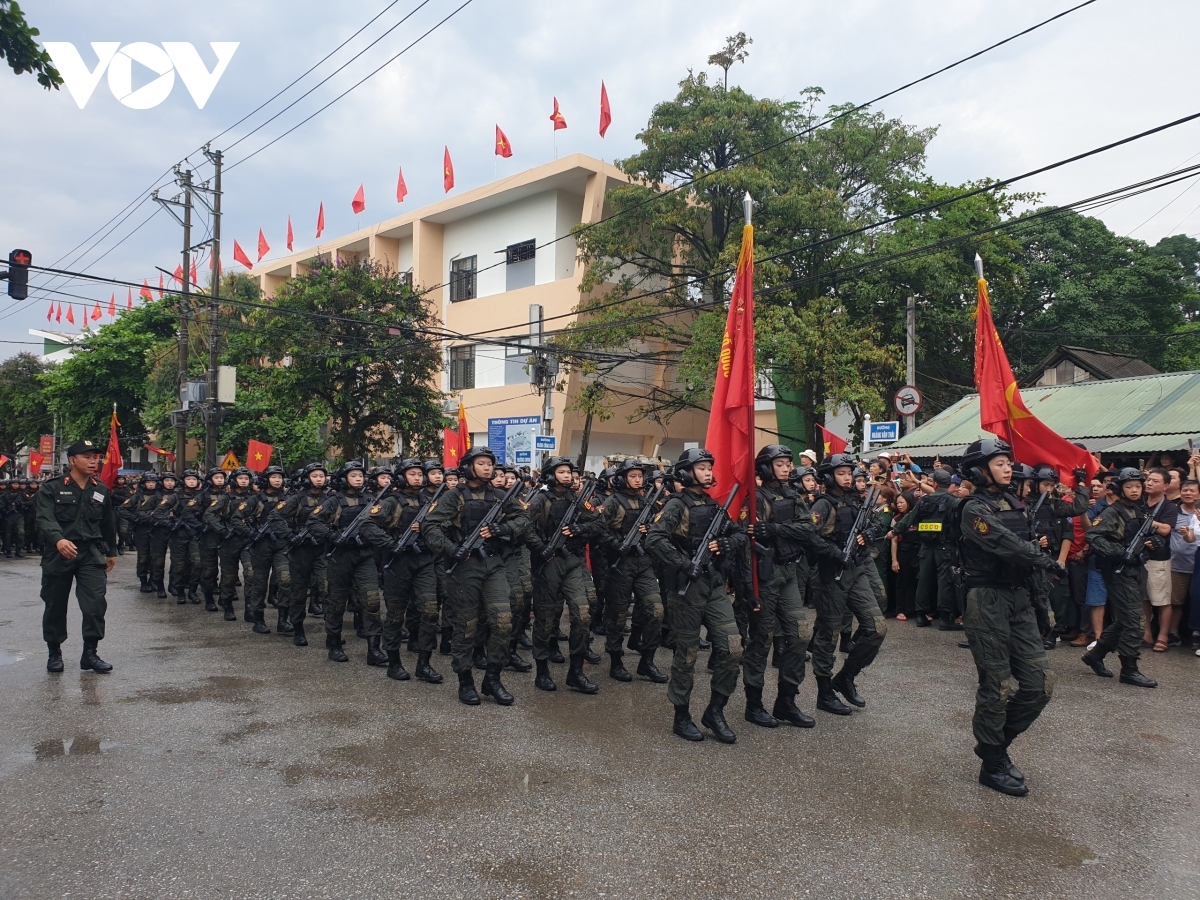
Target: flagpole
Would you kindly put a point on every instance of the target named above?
(752, 487)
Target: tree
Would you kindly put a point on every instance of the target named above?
(111, 366)
(18, 46)
(349, 343)
(734, 51)
(23, 414)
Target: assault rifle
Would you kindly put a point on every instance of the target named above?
(351, 531)
(1135, 547)
(861, 522)
(703, 556)
(408, 541)
(476, 542)
(559, 541)
(633, 538)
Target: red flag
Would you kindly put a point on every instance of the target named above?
(730, 435)
(3, 460)
(359, 203)
(58, 315)
(160, 286)
(195, 277)
(831, 443)
(557, 117)
(240, 255)
(97, 312)
(401, 187)
(503, 147)
(112, 306)
(605, 110)
(1004, 413)
(321, 219)
(71, 313)
(447, 171)
(263, 247)
(451, 450)
(464, 432)
(178, 275)
(129, 299)
(258, 455)
(112, 459)
(289, 240)
(145, 291)
(50, 311)
(166, 454)
(36, 461)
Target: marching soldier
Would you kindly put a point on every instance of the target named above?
(839, 589)
(138, 514)
(160, 533)
(785, 532)
(1108, 537)
(290, 522)
(181, 514)
(560, 577)
(477, 588)
(232, 518)
(1053, 534)
(76, 518)
(351, 565)
(998, 559)
(673, 539)
(270, 553)
(209, 540)
(119, 494)
(14, 521)
(630, 578)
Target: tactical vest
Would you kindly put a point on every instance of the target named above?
(408, 504)
(190, 507)
(350, 506)
(933, 526)
(476, 505)
(845, 511)
(242, 508)
(309, 503)
(701, 511)
(632, 505)
(983, 569)
(785, 504)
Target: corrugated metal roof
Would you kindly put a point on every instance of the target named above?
(1122, 415)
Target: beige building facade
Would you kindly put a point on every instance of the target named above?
(500, 269)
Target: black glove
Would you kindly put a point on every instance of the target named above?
(768, 531)
(726, 546)
(1081, 478)
(1057, 568)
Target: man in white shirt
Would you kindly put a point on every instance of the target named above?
(1183, 561)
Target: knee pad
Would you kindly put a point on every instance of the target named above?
(504, 621)
(804, 631)
(658, 612)
(691, 656)
(585, 612)
(1048, 684)
(734, 642)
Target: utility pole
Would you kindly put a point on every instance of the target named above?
(211, 417)
(910, 346)
(185, 181)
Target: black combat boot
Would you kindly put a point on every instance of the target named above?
(230, 615)
(444, 644)
(336, 653)
(159, 590)
(358, 625)
(494, 688)
(147, 586)
(299, 638)
(947, 623)
(466, 689)
(1095, 662)
(515, 662)
(247, 613)
(556, 656)
(786, 710)
(843, 683)
(210, 603)
(1011, 767)
(90, 660)
(315, 608)
(522, 637)
(993, 773)
(54, 662)
(479, 659)
(282, 625)
(576, 679)
(424, 671)
(598, 627)
(684, 726)
(714, 719)
(413, 645)
(194, 594)
(1131, 675)
(755, 714)
(827, 700)
(260, 625)
(375, 656)
(542, 681)
(648, 670)
(591, 657)
(635, 639)
(395, 667)
(181, 597)
(847, 642)
(616, 669)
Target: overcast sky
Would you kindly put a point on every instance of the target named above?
(1109, 70)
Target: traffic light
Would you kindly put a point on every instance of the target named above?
(18, 274)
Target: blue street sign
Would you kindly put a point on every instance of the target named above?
(546, 442)
(884, 432)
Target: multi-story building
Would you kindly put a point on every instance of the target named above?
(499, 265)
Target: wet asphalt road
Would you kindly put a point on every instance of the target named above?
(218, 763)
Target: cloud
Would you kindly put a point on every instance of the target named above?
(1099, 74)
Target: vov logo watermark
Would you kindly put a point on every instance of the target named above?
(118, 60)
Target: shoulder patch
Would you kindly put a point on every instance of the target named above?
(658, 516)
(816, 518)
(241, 506)
(163, 501)
(281, 504)
(980, 525)
(374, 509)
(1096, 521)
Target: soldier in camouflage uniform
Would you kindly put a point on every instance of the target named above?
(136, 516)
(209, 540)
(270, 553)
(998, 559)
(182, 516)
(290, 522)
(1109, 535)
(477, 588)
(673, 538)
(232, 518)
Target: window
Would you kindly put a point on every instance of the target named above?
(520, 271)
(462, 279)
(406, 279)
(519, 347)
(517, 253)
(462, 367)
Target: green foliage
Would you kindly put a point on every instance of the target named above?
(18, 46)
(111, 366)
(23, 414)
(312, 357)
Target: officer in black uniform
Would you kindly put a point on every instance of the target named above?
(77, 521)
(209, 541)
(183, 514)
(935, 585)
(160, 533)
(784, 533)
(1049, 514)
(998, 559)
(137, 514)
(270, 553)
(290, 523)
(232, 518)
(119, 494)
